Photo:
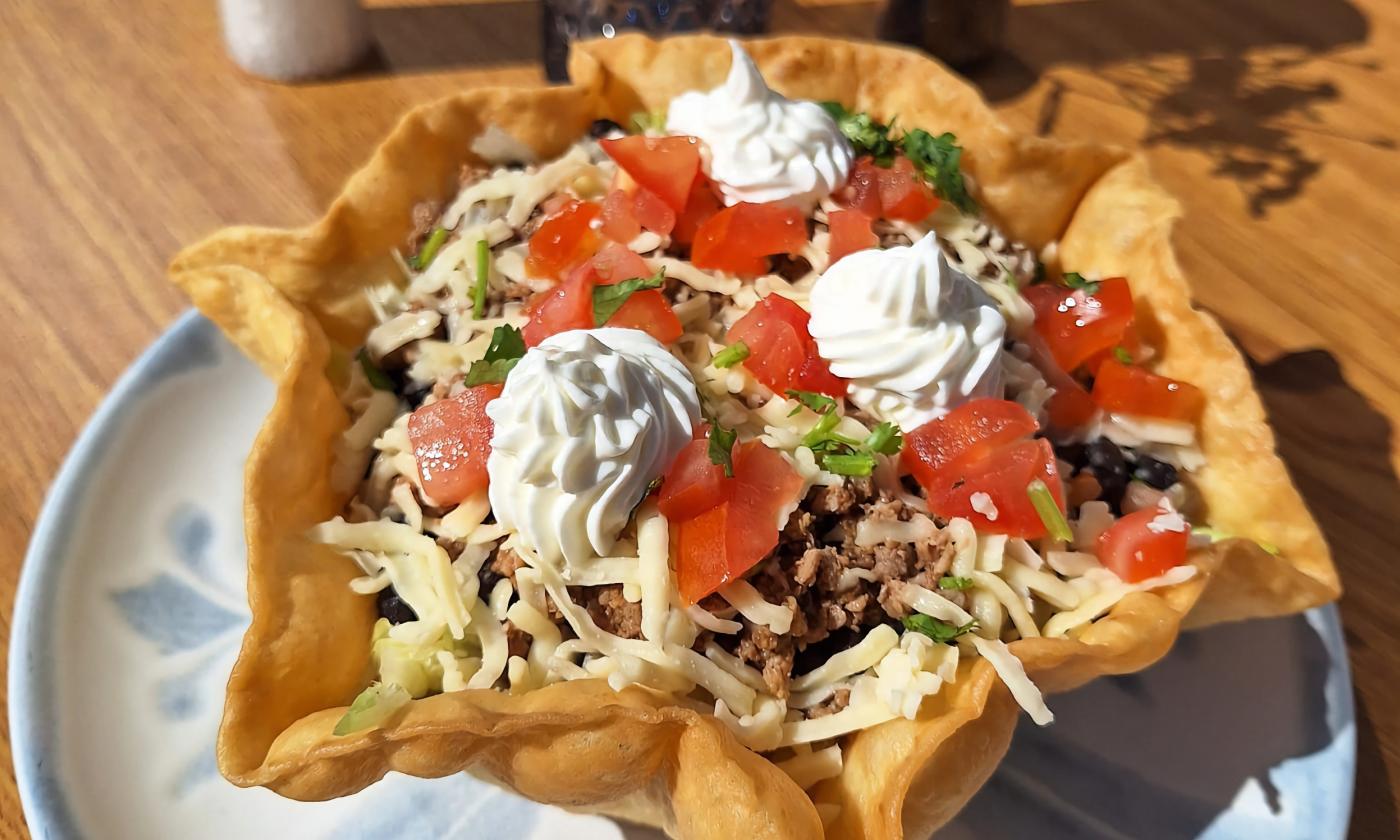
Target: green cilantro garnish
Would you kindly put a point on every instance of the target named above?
(820, 403)
(420, 260)
(506, 347)
(885, 439)
(954, 582)
(608, 299)
(721, 449)
(378, 379)
(1122, 355)
(940, 160)
(483, 275)
(644, 121)
(1044, 503)
(1010, 280)
(867, 136)
(855, 464)
(731, 355)
(939, 631)
(1077, 281)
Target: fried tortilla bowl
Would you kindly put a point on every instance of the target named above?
(292, 300)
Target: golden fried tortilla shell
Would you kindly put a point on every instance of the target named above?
(292, 300)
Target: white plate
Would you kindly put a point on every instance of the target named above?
(131, 606)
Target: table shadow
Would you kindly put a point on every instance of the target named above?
(1162, 753)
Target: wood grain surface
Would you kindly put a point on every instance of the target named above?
(125, 132)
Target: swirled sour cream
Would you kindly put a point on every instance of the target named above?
(586, 421)
(762, 146)
(915, 338)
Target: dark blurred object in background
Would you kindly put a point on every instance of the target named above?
(565, 21)
(957, 32)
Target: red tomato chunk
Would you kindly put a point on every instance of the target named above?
(1136, 549)
(740, 526)
(1075, 324)
(564, 239)
(981, 448)
(850, 232)
(451, 440)
(782, 353)
(569, 306)
(740, 239)
(1131, 390)
(666, 166)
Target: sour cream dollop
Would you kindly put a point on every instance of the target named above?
(762, 146)
(915, 337)
(586, 420)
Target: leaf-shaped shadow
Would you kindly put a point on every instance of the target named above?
(172, 614)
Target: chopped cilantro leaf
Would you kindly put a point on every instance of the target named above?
(731, 355)
(954, 582)
(506, 347)
(1049, 511)
(885, 439)
(1122, 355)
(1075, 280)
(608, 299)
(939, 631)
(940, 160)
(378, 379)
(820, 403)
(721, 449)
(420, 260)
(866, 135)
(821, 433)
(858, 463)
(483, 278)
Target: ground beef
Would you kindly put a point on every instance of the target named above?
(505, 563)
(839, 699)
(609, 610)
(517, 640)
(770, 653)
(840, 589)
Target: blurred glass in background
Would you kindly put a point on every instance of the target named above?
(566, 21)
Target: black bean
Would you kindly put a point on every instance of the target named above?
(488, 577)
(604, 128)
(1109, 466)
(392, 607)
(1154, 473)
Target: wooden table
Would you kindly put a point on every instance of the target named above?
(125, 132)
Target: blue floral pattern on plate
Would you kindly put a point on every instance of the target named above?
(134, 582)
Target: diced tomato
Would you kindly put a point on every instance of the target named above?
(1132, 390)
(1135, 549)
(862, 190)
(615, 262)
(1070, 406)
(967, 433)
(850, 232)
(564, 239)
(569, 306)
(896, 191)
(1004, 476)
(693, 484)
(721, 543)
(1075, 324)
(903, 194)
(782, 353)
(702, 204)
(665, 165)
(619, 222)
(648, 311)
(1130, 344)
(982, 447)
(654, 214)
(451, 440)
(740, 239)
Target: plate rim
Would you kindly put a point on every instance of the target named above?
(42, 799)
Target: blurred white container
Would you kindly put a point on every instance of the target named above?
(288, 40)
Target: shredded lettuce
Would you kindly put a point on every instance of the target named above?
(375, 705)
